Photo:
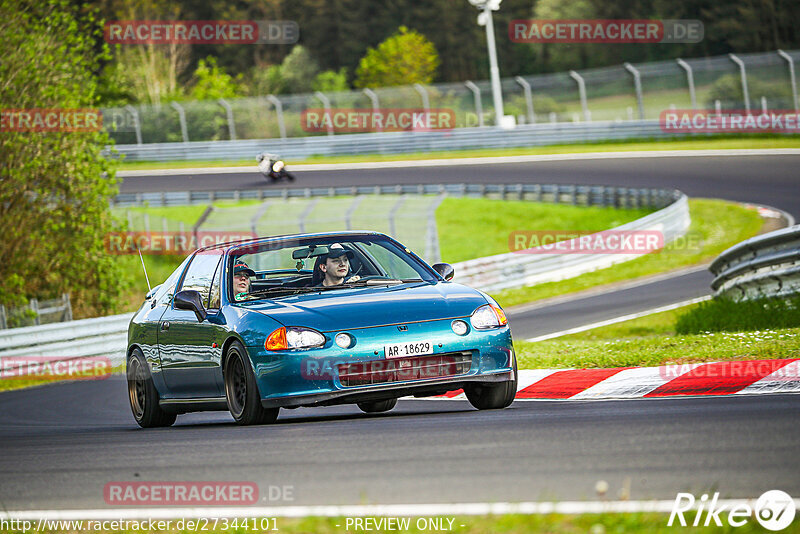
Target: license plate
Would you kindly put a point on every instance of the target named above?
(401, 350)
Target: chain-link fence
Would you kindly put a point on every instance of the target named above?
(618, 93)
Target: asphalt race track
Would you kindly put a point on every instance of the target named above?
(62, 443)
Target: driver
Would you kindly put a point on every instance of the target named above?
(241, 279)
(335, 265)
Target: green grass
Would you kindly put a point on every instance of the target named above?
(705, 143)
(716, 225)
(726, 315)
(653, 340)
(475, 227)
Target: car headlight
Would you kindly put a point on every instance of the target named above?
(278, 165)
(294, 338)
(488, 316)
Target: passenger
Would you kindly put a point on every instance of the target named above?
(241, 279)
(332, 268)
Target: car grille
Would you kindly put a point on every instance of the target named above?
(402, 369)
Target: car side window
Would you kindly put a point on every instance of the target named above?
(200, 273)
(213, 299)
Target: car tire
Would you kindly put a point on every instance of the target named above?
(493, 396)
(241, 390)
(377, 406)
(143, 395)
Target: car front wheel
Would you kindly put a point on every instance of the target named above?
(143, 396)
(493, 396)
(241, 391)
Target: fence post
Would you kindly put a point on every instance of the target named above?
(326, 103)
(526, 87)
(392, 214)
(690, 80)
(182, 118)
(278, 111)
(637, 84)
(432, 252)
(792, 79)
(136, 125)
(3, 320)
(582, 92)
(743, 74)
(348, 215)
(423, 93)
(373, 98)
(301, 220)
(34, 305)
(259, 213)
(67, 307)
(476, 94)
(229, 113)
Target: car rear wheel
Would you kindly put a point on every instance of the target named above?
(377, 406)
(493, 396)
(241, 391)
(143, 396)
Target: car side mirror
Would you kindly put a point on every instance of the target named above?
(445, 270)
(189, 299)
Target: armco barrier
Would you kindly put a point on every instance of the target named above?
(396, 142)
(763, 266)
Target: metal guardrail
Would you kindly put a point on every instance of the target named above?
(763, 266)
(513, 270)
(579, 195)
(397, 142)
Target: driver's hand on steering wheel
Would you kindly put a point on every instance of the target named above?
(352, 279)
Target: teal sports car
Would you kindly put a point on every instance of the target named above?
(313, 320)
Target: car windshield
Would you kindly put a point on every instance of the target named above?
(308, 265)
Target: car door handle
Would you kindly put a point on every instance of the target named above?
(165, 325)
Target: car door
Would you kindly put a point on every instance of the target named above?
(190, 355)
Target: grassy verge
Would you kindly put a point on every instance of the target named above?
(726, 142)
(729, 316)
(716, 225)
(653, 340)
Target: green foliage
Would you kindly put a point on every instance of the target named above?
(331, 81)
(725, 315)
(299, 70)
(728, 90)
(54, 187)
(404, 58)
(212, 82)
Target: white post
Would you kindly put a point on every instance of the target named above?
(582, 92)
(494, 70)
(136, 125)
(229, 113)
(743, 74)
(182, 118)
(423, 94)
(690, 80)
(526, 87)
(476, 93)
(792, 79)
(279, 111)
(637, 83)
(327, 104)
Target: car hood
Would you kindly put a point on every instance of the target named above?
(348, 309)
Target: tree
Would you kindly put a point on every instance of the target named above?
(54, 187)
(298, 70)
(331, 81)
(211, 82)
(404, 58)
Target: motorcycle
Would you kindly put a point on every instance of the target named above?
(274, 168)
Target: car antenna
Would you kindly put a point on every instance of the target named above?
(149, 289)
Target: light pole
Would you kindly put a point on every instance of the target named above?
(485, 19)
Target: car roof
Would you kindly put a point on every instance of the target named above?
(287, 237)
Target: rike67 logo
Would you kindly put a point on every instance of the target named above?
(774, 510)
